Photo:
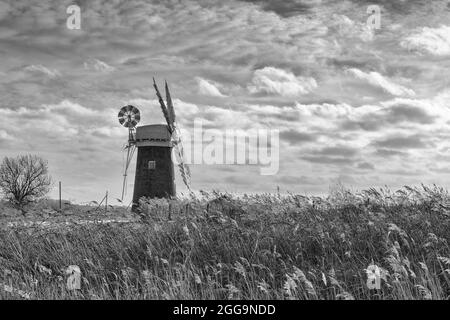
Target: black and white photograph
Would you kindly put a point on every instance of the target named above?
(241, 152)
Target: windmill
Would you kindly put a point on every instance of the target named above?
(154, 143)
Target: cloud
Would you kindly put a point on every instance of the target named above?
(332, 155)
(4, 10)
(346, 27)
(300, 180)
(275, 64)
(4, 135)
(336, 161)
(271, 80)
(435, 41)
(70, 108)
(407, 172)
(394, 112)
(63, 120)
(40, 69)
(98, 65)
(407, 142)
(342, 151)
(108, 132)
(365, 166)
(377, 80)
(408, 113)
(294, 137)
(288, 8)
(207, 88)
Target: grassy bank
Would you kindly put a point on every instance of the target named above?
(252, 247)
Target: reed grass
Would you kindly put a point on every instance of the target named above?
(220, 246)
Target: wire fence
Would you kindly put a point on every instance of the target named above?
(102, 204)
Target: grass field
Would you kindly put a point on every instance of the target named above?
(250, 247)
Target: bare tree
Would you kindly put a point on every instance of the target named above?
(24, 179)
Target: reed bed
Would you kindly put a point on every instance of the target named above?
(220, 246)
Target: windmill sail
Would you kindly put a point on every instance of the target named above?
(170, 106)
(169, 115)
(163, 107)
(184, 168)
(179, 153)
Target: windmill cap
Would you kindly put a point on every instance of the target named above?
(153, 135)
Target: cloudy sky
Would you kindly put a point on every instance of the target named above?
(365, 107)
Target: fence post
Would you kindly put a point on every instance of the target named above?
(60, 201)
(106, 202)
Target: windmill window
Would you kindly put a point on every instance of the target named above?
(151, 165)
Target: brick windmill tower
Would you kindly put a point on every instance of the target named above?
(155, 175)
